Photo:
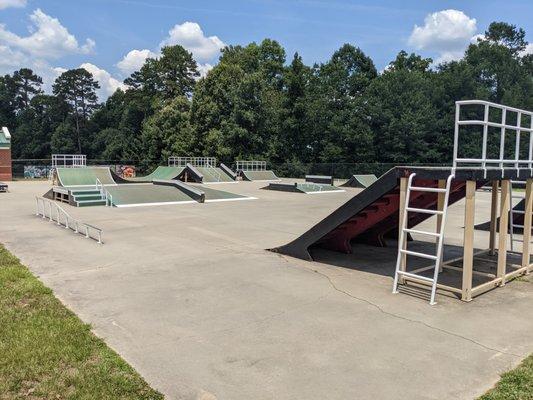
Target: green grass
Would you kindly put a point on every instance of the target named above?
(46, 352)
(514, 385)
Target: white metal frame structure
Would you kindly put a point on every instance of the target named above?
(194, 161)
(48, 209)
(252, 165)
(69, 160)
(485, 161)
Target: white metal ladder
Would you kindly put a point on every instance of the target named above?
(402, 243)
(512, 212)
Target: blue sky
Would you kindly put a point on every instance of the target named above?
(51, 35)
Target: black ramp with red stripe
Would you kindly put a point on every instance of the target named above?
(371, 216)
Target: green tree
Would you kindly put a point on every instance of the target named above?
(173, 74)
(35, 126)
(77, 88)
(27, 85)
(168, 132)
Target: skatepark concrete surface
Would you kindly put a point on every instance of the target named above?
(189, 297)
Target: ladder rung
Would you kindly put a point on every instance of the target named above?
(518, 212)
(517, 226)
(428, 189)
(425, 211)
(408, 274)
(422, 232)
(422, 255)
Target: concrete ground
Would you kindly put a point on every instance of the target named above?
(190, 298)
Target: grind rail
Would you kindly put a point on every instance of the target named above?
(48, 209)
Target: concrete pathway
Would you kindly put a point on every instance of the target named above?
(188, 296)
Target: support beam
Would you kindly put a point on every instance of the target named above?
(440, 207)
(493, 217)
(505, 202)
(403, 198)
(528, 209)
(468, 241)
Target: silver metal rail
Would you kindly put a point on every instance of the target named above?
(484, 161)
(108, 197)
(48, 209)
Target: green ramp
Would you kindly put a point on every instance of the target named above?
(213, 175)
(132, 195)
(307, 188)
(360, 181)
(86, 176)
(213, 195)
(260, 176)
(160, 173)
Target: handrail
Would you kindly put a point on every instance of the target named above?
(57, 214)
(108, 197)
(174, 161)
(251, 165)
(516, 162)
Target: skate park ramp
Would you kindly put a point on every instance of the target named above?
(371, 216)
(164, 193)
(267, 175)
(147, 194)
(360, 181)
(78, 177)
(214, 175)
(161, 172)
(307, 188)
(213, 195)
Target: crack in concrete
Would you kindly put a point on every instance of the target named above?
(380, 309)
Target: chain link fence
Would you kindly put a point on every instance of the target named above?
(39, 168)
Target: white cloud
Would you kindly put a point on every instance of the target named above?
(108, 84)
(203, 69)
(48, 39)
(191, 37)
(446, 32)
(12, 3)
(527, 50)
(134, 60)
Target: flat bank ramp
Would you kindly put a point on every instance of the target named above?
(260, 176)
(306, 187)
(371, 216)
(74, 177)
(213, 195)
(213, 175)
(131, 195)
(360, 181)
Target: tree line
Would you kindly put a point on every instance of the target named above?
(255, 104)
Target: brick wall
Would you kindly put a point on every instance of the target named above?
(5, 165)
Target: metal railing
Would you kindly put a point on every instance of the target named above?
(69, 160)
(488, 108)
(108, 197)
(251, 165)
(194, 161)
(48, 209)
